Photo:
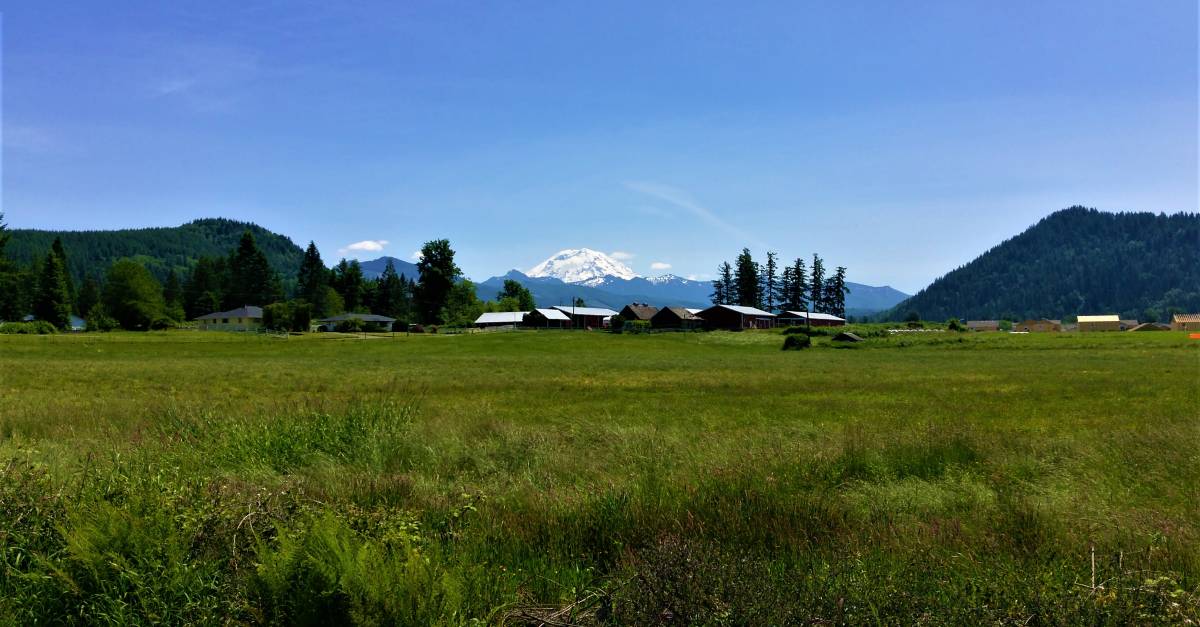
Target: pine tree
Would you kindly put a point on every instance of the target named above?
(251, 279)
(515, 291)
(61, 253)
(438, 274)
(53, 302)
(723, 285)
(770, 282)
(837, 292)
(817, 284)
(173, 297)
(800, 285)
(748, 291)
(787, 289)
(312, 275)
(89, 295)
(390, 297)
(350, 284)
(204, 289)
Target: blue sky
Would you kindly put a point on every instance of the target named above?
(898, 139)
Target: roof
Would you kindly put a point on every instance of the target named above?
(1150, 326)
(745, 311)
(552, 314)
(846, 336)
(1101, 318)
(982, 323)
(585, 311)
(682, 312)
(1182, 317)
(358, 316)
(501, 317)
(249, 311)
(1129, 323)
(642, 311)
(813, 316)
(692, 310)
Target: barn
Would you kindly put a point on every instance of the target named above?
(983, 325)
(802, 318)
(1185, 322)
(736, 318)
(547, 319)
(370, 322)
(675, 318)
(493, 319)
(1106, 322)
(587, 317)
(1037, 325)
(638, 311)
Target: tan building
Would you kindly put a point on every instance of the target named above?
(1185, 322)
(247, 318)
(1040, 325)
(983, 325)
(1108, 322)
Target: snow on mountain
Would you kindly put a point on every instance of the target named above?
(583, 266)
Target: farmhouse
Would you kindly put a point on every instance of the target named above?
(1038, 325)
(796, 318)
(675, 318)
(248, 318)
(587, 317)
(638, 311)
(547, 319)
(1107, 322)
(1185, 322)
(983, 325)
(736, 318)
(367, 320)
(501, 319)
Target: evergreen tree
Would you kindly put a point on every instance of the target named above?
(89, 294)
(350, 284)
(251, 279)
(722, 293)
(770, 282)
(61, 253)
(519, 293)
(12, 285)
(787, 289)
(204, 289)
(173, 298)
(817, 285)
(745, 279)
(391, 299)
(132, 296)
(312, 275)
(837, 292)
(438, 274)
(799, 285)
(53, 302)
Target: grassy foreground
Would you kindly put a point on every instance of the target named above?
(576, 478)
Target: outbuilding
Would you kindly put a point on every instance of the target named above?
(248, 318)
(638, 311)
(736, 318)
(1037, 325)
(547, 319)
(369, 321)
(675, 318)
(587, 317)
(1105, 322)
(802, 318)
(494, 319)
(1185, 322)
(983, 325)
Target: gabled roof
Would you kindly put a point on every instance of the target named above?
(585, 311)
(642, 312)
(813, 316)
(1182, 317)
(681, 312)
(1100, 318)
(501, 317)
(745, 311)
(693, 310)
(553, 314)
(249, 311)
(358, 316)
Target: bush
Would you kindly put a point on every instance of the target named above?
(416, 328)
(99, 320)
(638, 326)
(616, 324)
(954, 325)
(37, 327)
(796, 331)
(353, 325)
(796, 342)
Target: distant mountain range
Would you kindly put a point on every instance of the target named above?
(1075, 261)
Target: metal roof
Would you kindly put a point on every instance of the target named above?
(501, 317)
(745, 311)
(815, 316)
(585, 311)
(553, 314)
(1184, 317)
(358, 316)
(248, 311)
(1102, 318)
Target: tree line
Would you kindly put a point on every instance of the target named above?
(129, 296)
(793, 287)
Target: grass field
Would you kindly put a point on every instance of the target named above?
(577, 478)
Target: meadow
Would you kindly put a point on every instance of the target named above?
(565, 478)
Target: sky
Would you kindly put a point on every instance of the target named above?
(898, 139)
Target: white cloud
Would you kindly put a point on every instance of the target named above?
(683, 200)
(621, 255)
(365, 246)
(660, 265)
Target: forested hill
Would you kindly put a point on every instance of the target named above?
(1075, 261)
(160, 249)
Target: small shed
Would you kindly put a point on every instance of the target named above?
(368, 320)
(1185, 322)
(675, 318)
(983, 325)
(248, 318)
(1037, 325)
(736, 318)
(587, 317)
(547, 319)
(501, 319)
(1105, 322)
(638, 311)
(815, 319)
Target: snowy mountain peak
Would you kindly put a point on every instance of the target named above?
(581, 265)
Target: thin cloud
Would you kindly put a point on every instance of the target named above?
(365, 246)
(660, 265)
(621, 255)
(415, 256)
(683, 200)
(205, 77)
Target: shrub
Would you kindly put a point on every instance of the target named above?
(416, 328)
(353, 325)
(99, 320)
(796, 342)
(796, 331)
(37, 327)
(617, 324)
(954, 325)
(638, 326)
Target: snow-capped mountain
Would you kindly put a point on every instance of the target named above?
(582, 266)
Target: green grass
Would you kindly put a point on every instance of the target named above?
(710, 478)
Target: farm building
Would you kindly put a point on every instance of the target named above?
(1037, 325)
(501, 319)
(736, 318)
(983, 325)
(1151, 326)
(587, 317)
(1185, 322)
(638, 311)
(547, 319)
(1128, 324)
(798, 318)
(369, 321)
(248, 318)
(1107, 322)
(676, 318)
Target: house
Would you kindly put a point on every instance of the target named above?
(248, 318)
(547, 319)
(587, 317)
(501, 319)
(1106, 322)
(1185, 322)
(736, 318)
(369, 321)
(638, 311)
(983, 325)
(800, 318)
(1151, 326)
(676, 318)
(1037, 325)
